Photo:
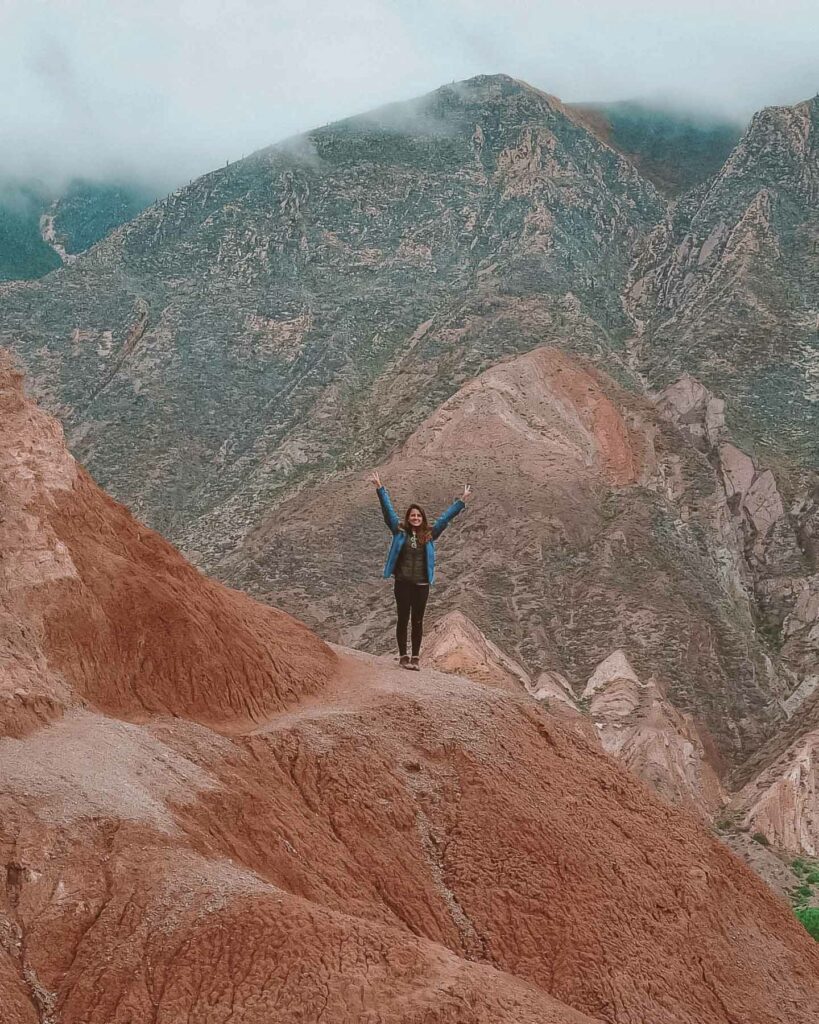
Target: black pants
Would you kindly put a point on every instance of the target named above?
(410, 598)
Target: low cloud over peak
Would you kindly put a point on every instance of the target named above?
(159, 92)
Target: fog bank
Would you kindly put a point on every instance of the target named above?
(159, 91)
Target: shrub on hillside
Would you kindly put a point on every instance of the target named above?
(809, 916)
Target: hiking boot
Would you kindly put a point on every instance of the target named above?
(404, 661)
(415, 663)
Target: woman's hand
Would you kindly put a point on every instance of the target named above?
(467, 492)
(376, 479)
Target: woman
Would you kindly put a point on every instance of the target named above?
(411, 560)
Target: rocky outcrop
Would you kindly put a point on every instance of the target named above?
(766, 539)
(754, 497)
(800, 631)
(782, 803)
(368, 844)
(553, 688)
(767, 543)
(698, 414)
(637, 725)
(116, 588)
(456, 645)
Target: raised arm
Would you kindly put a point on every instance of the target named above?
(443, 520)
(389, 513)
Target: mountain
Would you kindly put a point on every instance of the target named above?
(41, 228)
(23, 251)
(675, 150)
(240, 326)
(209, 812)
(643, 730)
(479, 285)
(726, 287)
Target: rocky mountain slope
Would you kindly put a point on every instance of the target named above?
(727, 287)
(240, 326)
(599, 527)
(639, 727)
(323, 832)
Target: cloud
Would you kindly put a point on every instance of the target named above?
(162, 90)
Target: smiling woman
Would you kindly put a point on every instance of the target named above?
(411, 560)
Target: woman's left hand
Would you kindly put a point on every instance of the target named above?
(467, 492)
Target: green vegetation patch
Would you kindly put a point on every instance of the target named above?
(23, 253)
(809, 916)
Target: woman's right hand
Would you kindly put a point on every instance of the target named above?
(376, 479)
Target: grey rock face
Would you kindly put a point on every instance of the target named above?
(699, 414)
(770, 556)
(727, 286)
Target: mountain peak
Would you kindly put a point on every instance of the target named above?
(452, 109)
(498, 85)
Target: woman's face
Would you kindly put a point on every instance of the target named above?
(415, 518)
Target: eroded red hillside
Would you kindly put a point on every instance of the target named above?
(128, 624)
(206, 815)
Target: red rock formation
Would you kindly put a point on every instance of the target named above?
(639, 727)
(456, 645)
(129, 625)
(207, 814)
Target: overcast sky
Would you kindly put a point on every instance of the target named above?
(164, 90)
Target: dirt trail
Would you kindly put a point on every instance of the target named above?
(362, 682)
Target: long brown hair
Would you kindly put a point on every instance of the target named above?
(424, 531)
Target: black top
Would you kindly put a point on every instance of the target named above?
(411, 566)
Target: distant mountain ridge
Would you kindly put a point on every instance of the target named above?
(726, 287)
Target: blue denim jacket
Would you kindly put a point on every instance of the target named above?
(398, 536)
